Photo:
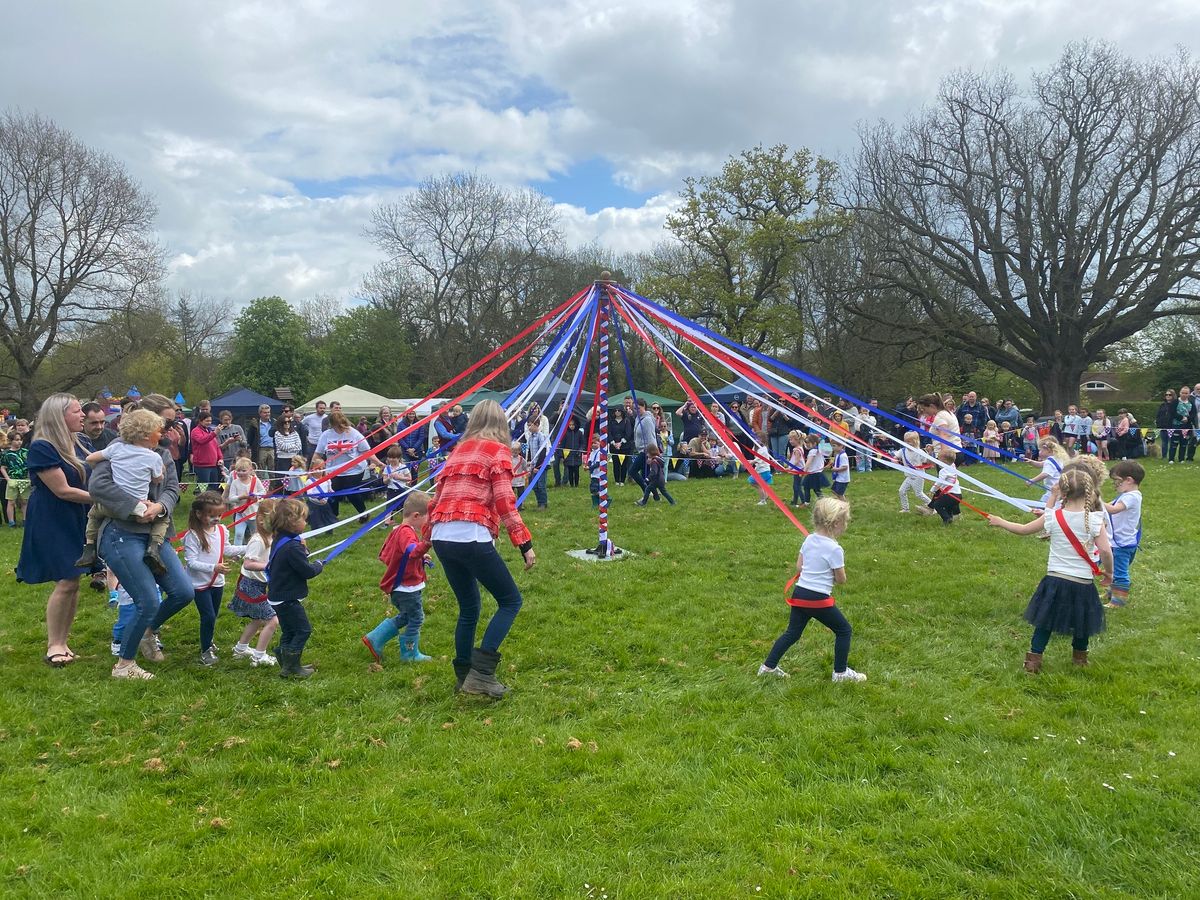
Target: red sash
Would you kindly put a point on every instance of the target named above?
(1079, 548)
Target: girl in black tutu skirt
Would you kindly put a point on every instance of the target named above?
(1066, 601)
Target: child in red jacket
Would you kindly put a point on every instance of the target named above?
(405, 553)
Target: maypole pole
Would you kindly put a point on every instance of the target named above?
(604, 546)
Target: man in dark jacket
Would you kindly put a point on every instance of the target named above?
(95, 427)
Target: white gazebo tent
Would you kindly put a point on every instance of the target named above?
(399, 407)
(355, 402)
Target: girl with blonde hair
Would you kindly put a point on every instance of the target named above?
(1066, 600)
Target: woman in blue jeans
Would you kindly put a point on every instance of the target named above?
(123, 543)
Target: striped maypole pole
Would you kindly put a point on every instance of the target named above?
(604, 546)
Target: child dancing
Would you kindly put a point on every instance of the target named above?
(288, 574)
(820, 565)
(250, 596)
(1066, 600)
(406, 555)
(912, 459)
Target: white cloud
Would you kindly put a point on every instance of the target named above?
(267, 130)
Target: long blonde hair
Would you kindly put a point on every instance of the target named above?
(52, 428)
(487, 422)
(1077, 484)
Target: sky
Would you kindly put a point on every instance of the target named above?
(268, 131)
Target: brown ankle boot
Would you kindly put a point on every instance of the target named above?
(1079, 657)
(1033, 663)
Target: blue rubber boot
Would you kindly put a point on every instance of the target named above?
(377, 639)
(410, 651)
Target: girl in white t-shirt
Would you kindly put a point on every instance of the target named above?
(820, 565)
(814, 469)
(1052, 456)
(1066, 600)
(841, 470)
(250, 596)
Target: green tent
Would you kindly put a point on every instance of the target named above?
(670, 404)
(481, 395)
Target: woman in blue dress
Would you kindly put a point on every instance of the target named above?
(56, 518)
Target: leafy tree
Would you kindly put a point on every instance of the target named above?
(738, 237)
(76, 250)
(372, 349)
(1036, 228)
(269, 349)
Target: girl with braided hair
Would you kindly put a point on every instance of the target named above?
(1066, 600)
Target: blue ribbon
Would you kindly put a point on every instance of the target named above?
(802, 375)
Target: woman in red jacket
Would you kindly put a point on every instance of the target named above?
(473, 496)
(206, 453)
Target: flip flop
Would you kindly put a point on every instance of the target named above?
(58, 660)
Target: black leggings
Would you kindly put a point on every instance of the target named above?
(572, 475)
(346, 483)
(946, 506)
(829, 616)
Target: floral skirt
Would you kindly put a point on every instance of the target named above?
(250, 600)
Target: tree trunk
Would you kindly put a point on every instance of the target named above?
(1059, 384)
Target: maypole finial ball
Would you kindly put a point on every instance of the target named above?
(606, 275)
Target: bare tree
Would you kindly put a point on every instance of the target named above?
(462, 255)
(1058, 220)
(76, 248)
(203, 327)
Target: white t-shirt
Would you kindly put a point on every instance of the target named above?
(821, 556)
(1063, 558)
(339, 447)
(133, 467)
(461, 533)
(1052, 469)
(1125, 525)
(257, 550)
(815, 462)
(945, 426)
(947, 481)
(842, 459)
(313, 426)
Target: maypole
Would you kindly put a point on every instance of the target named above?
(604, 546)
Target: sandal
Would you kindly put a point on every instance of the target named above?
(58, 660)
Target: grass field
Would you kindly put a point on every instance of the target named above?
(637, 755)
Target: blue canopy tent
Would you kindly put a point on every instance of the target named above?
(244, 403)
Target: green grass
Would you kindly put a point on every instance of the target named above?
(949, 773)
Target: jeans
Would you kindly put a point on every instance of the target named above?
(539, 489)
(864, 460)
(829, 616)
(127, 613)
(468, 565)
(348, 483)
(1041, 637)
(655, 488)
(294, 627)
(1122, 559)
(636, 468)
(797, 488)
(207, 477)
(779, 446)
(123, 551)
(208, 603)
(1164, 444)
(411, 613)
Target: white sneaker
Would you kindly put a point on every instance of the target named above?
(762, 502)
(246, 652)
(263, 659)
(131, 671)
(849, 675)
(115, 647)
(777, 672)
